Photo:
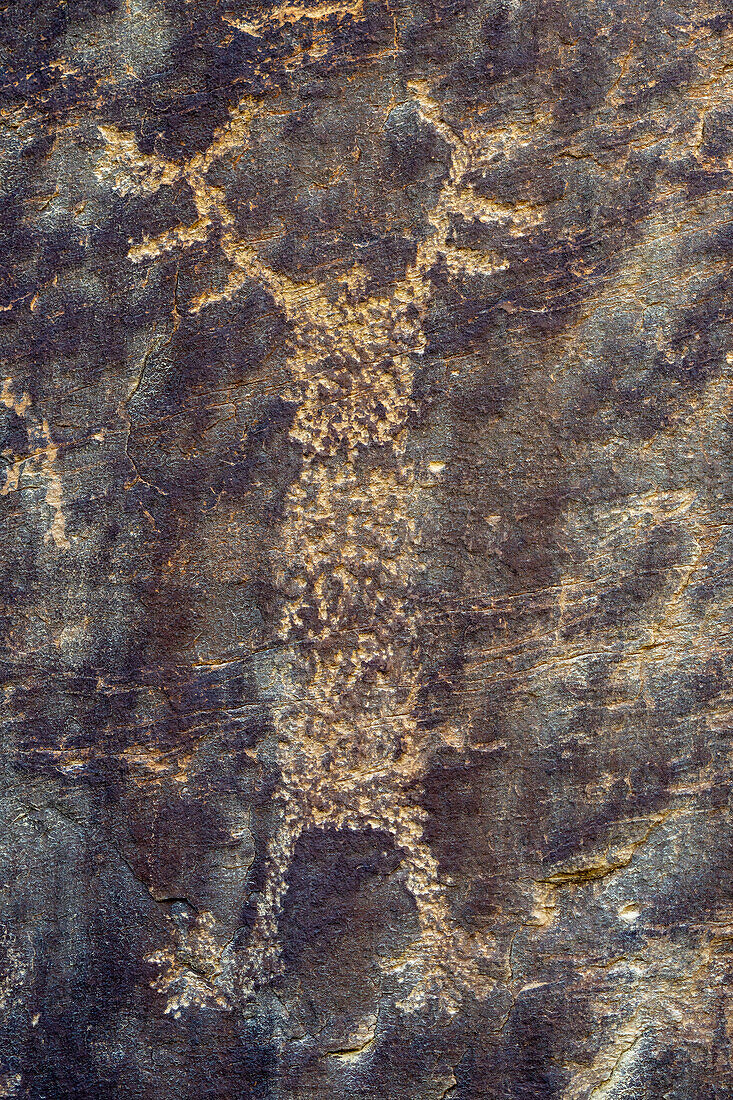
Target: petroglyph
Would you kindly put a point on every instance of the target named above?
(351, 752)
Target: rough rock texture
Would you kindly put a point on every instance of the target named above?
(368, 488)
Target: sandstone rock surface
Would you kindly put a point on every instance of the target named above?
(368, 519)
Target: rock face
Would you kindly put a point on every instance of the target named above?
(366, 394)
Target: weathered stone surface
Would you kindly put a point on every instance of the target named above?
(366, 395)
